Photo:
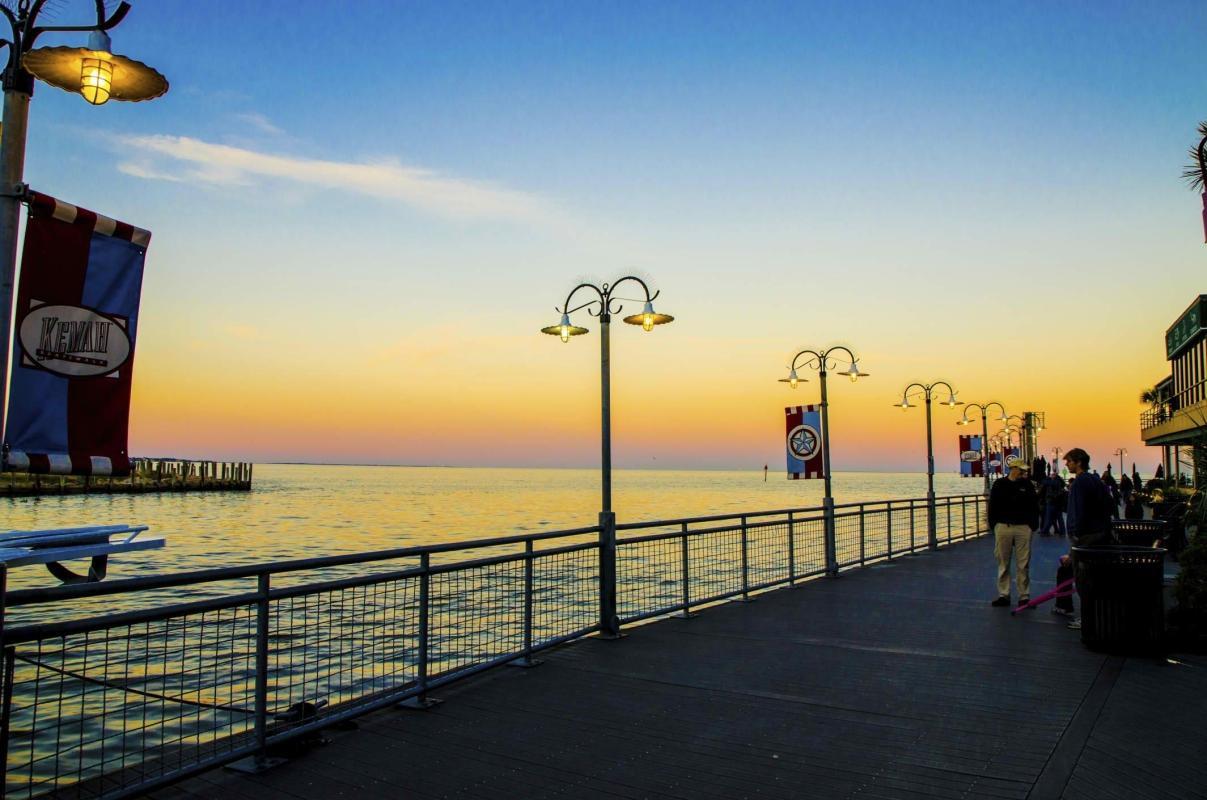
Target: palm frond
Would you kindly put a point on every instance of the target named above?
(1195, 173)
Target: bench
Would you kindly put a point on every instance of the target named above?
(49, 547)
(1140, 532)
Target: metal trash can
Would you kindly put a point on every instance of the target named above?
(1122, 600)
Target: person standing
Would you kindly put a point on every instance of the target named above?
(1054, 496)
(1013, 516)
(1125, 488)
(1089, 518)
(1108, 480)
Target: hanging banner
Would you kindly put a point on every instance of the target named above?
(73, 343)
(971, 463)
(803, 442)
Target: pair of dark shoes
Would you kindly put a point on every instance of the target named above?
(1004, 601)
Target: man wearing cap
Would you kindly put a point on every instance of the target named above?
(1013, 517)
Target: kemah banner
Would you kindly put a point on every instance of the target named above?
(73, 348)
(971, 463)
(803, 442)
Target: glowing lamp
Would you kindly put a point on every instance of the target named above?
(648, 318)
(95, 72)
(853, 373)
(792, 379)
(564, 329)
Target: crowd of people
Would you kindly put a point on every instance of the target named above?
(1035, 497)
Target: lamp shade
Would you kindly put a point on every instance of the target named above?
(564, 329)
(96, 74)
(648, 318)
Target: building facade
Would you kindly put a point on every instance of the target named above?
(1177, 416)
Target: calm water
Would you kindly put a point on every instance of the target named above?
(308, 510)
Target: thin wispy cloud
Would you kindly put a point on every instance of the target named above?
(259, 122)
(183, 158)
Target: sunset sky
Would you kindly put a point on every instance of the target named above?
(363, 214)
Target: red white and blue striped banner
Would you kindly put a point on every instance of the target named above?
(803, 442)
(971, 463)
(73, 343)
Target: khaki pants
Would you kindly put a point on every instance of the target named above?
(1014, 539)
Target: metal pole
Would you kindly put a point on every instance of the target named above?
(12, 191)
(609, 622)
(932, 541)
(985, 451)
(261, 708)
(828, 501)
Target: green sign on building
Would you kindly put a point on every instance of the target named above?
(1187, 328)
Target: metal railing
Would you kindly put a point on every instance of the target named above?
(117, 703)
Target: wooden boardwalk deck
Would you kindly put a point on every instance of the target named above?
(897, 681)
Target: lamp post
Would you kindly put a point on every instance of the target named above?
(822, 361)
(1122, 453)
(984, 409)
(95, 72)
(603, 305)
(927, 389)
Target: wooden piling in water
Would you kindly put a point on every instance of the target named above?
(146, 475)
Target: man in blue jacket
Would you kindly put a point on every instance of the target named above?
(1013, 517)
(1089, 516)
(1088, 521)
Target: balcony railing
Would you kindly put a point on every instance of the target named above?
(113, 689)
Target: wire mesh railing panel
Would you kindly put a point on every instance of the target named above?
(649, 576)
(477, 614)
(905, 535)
(809, 545)
(332, 648)
(715, 560)
(565, 593)
(767, 552)
(849, 544)
(875, 532)
(114, 708)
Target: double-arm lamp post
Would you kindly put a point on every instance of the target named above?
(823, 361)
(603, 303)
(94, 72)
(1122, 453)
(927, 391)
(984, 411)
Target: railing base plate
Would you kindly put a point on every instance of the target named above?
(254, 766)
(608, 637)
(420, 703)
(525, 663)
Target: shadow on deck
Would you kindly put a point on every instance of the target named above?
(896, 681)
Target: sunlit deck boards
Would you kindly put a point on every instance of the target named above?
(892, 682)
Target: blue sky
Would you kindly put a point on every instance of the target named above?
(789, 174)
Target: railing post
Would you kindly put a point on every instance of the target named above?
(260, 761)
(421, 700)
(948, 504)
(609, 622)
(791, 549)
(911, 526)
(745, 564)
(964, 518)
(862, 545)
(888, 515)
(831, 546)
(6, 712)
(527, 660)
(685, 561)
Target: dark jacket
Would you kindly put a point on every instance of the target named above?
(1014, 503)
(1090, 507)
(1052, 490)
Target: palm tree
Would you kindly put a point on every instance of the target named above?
(1149, 396)
(1196, 171)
